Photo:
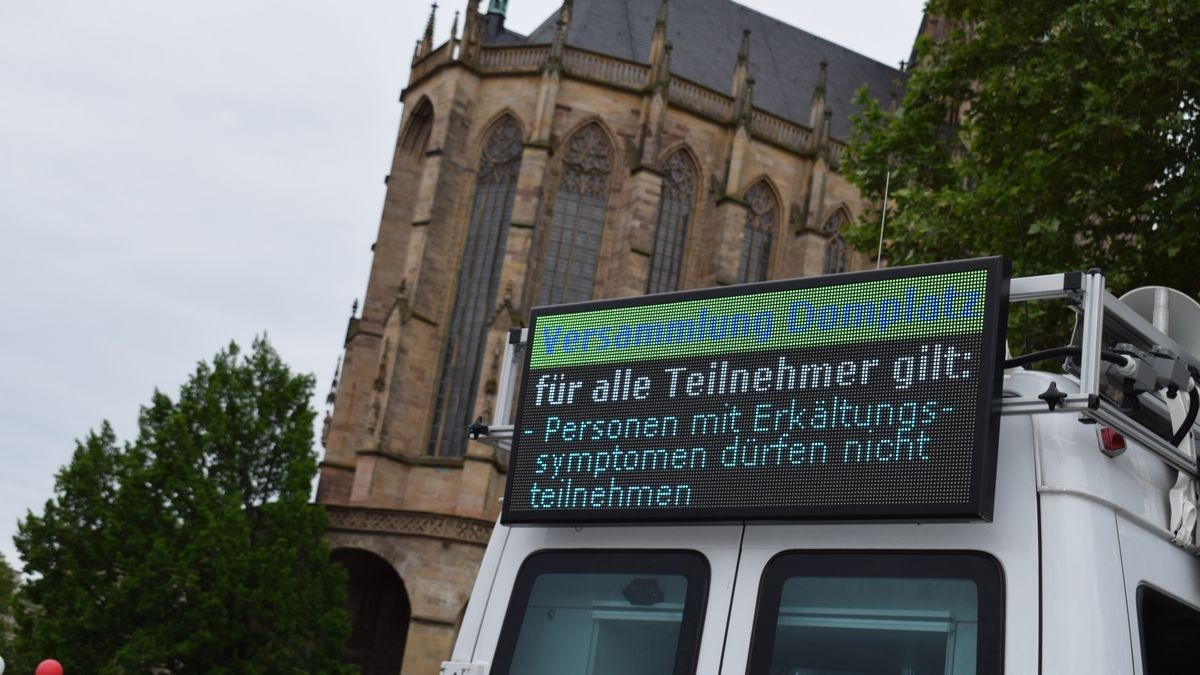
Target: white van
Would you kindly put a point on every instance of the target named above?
(1058, 536)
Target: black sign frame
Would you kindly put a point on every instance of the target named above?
(986, 412)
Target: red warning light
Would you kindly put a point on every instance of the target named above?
(1111, 442)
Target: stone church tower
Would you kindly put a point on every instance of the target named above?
(621, 148)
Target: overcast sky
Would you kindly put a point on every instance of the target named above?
(175, 175)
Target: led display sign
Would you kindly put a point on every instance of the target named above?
(866, 395)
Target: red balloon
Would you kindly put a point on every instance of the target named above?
(49, 667)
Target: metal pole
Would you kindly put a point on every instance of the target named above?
(887, 183)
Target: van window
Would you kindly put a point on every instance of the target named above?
(1170, 631)
(604, 613)
(864, 613)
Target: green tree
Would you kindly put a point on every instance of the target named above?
(8, 585)
(1060, 133)
(192, 549)
(8, 590)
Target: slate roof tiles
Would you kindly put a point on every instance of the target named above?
(705, 34)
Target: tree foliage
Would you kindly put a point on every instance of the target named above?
(1060, 133)
(8, 586)
(8, 590)
(192, 549)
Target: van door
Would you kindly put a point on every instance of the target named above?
(1162, 596)
(911, 598)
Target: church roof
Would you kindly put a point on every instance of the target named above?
(784, 60)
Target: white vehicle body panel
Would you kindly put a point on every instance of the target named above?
(1075, 531)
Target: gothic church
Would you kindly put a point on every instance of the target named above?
(623, 147)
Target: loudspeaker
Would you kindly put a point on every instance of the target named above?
(1177, 314)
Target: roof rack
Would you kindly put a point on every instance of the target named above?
(499, 433)
(1101, 315)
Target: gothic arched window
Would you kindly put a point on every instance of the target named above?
(670, 229)
(478, 283)
(761, 214)
(836, 255)
(574, 235)
(416, 135)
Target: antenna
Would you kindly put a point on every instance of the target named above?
(887, 183)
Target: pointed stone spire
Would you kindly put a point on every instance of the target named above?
(543, 120)
(654, 101)
(744, 49)
(331, 398)
(554, 61)
(352, 324)
(427, 39)
(663, 76)
(817, 111)
(660, 25)
(658, 48)
(454, 28)
(822, 76)
(741, 72)
(742, 82)
(744, 105)
(472, 39)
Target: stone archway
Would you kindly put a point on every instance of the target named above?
(379, 612)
